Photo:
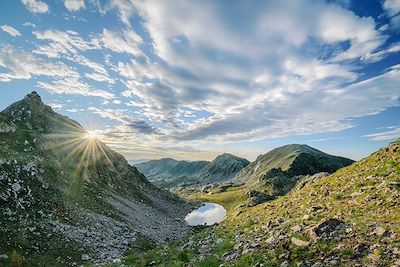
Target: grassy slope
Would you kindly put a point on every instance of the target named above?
(364, 195)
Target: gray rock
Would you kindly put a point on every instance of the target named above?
(379, 231)
(325, 228)
(16, 187)
(85, 257)
(296, 228)
(299, 242)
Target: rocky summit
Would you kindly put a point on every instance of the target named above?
(66, 198)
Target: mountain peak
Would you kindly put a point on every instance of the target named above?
(289, 161)
(34, 114)
(34, 96)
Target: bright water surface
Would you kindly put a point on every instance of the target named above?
(208, 214)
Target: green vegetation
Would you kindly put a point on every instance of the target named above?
(365, 196)
(229, 199)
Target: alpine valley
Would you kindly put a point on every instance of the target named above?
(67, 199)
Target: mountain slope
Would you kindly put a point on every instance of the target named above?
(67, 196)
(222, 168)
(349, 218)
(280, 165)
(169, 168)
(170, 173)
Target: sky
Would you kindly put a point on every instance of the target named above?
(193, 79)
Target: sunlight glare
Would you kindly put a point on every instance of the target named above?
(91, 135)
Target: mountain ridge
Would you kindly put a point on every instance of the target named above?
(168, 172)
(289, 161)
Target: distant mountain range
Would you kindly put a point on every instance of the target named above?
(166, 168)
(280, 169)
(137, 161)
(171, 173)
(67, 198)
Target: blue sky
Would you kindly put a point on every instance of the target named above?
(193, 79)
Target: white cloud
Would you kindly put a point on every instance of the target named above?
(392, 7)
(66, 80)
(24, 65)
(10, 30)
(245, 76)
(29, 24)
(126, 42)
(55, 105)
(69, 44)
(73, 86)
(62, 42)
(394, 48)
(74, 5)
(130, 122)
(339, 25)
(383, 136)
(125, 9)
(36, 6)
(100, 77)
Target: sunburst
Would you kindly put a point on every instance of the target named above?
(84, 145)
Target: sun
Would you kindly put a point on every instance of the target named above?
(91, 135)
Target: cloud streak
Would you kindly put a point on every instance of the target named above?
(36, 6)
(10, 30)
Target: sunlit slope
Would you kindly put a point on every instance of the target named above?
(278, 167)
(349, 218)
(65, 193)
(364, 197)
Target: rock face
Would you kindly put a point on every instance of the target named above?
(282, 167)
(170, 173)
(70, 196)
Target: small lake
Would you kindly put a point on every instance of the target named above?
(208, 214)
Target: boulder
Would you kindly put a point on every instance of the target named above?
(325, 228)
(296, 228)
(299, 242)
